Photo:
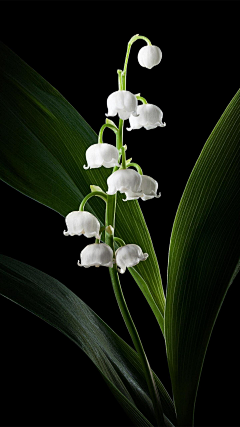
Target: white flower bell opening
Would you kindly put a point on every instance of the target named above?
(124, 180)
(98, 155)
(81, 222)
(149, 117)
(123, 103)
(149, 56)
(128, 256)
(97, 254)
(149, 190)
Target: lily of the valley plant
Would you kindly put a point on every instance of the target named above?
(63, 160)
(125, 180)
(128, 178)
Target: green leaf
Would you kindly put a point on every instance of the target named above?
(95, 188)
(146, 292)
(110, 122)
(43, 145)
(128, 161)
(203, 257)
(117, 362)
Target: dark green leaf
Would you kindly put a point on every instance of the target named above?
(117, 361)
(146, 292)
(203, 257)
(43, 145)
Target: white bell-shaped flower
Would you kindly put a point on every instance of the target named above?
(128, 256)
(82, 222)
(124, 180)
(149, 56)
(149, 190)
(98, 155)
(123, 103)
(149, 117)
(95, 255)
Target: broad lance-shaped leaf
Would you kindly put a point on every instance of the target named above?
(118, 363)
(203, 257)
(42, 153)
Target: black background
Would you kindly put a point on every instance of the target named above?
(78, 47)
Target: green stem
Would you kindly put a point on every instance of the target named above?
(123, 158)
(138, 345)
(119, 140)
(131, 41)
(100, 232)
(120, 86)
(107, 125)
(135, 165)
(140, 98)
(100, 194)
(120, 241)
(142, 285)
(110, 219)
(123, 80)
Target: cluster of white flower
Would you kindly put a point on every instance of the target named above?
(133, 183)
(82, 222)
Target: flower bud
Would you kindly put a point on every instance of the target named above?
(98, 155)
(82, 222)
(149, 117)
(110, 230)
(123, 103)
(128, 256)
(95, 255)
(149, 56)
(124, 180)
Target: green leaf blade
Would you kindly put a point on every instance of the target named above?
(203, 257)
(145, 290)
(117, 362)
